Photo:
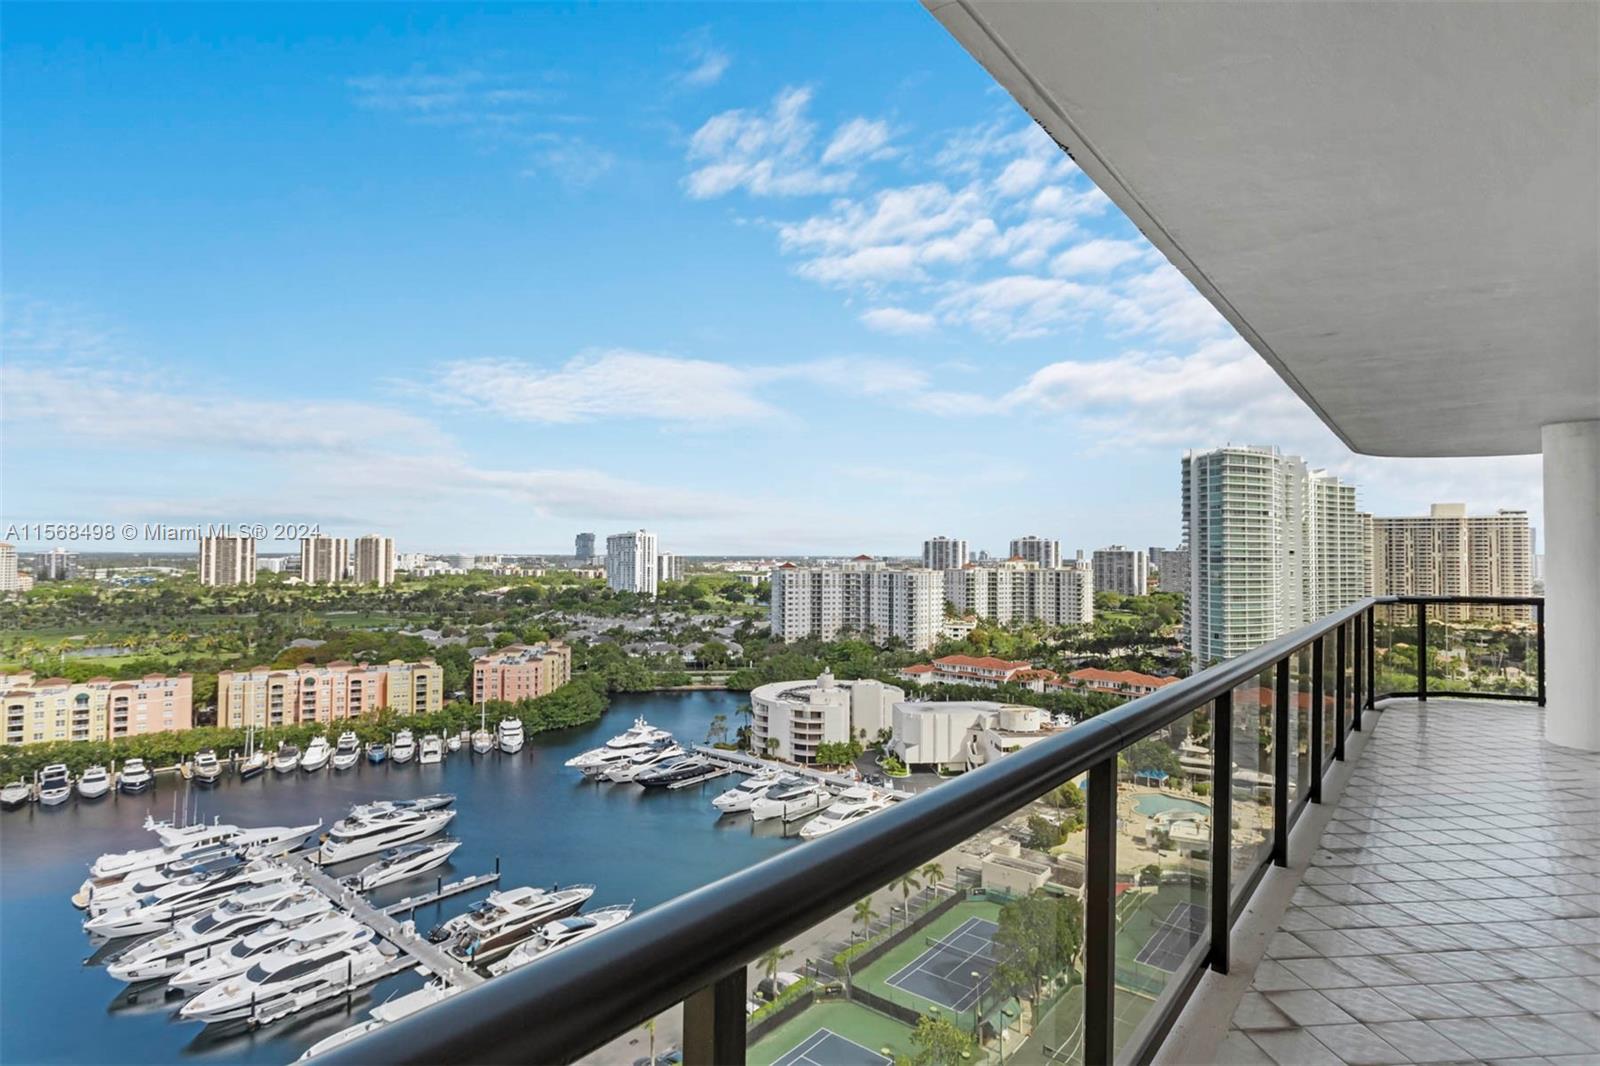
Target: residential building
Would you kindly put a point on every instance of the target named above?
(583, 547)
(669, 567)
(944, 553)
(963, 735)
(1274, 544)
(374, 560)
(410, 561)
(1017, 592)
(790, 718)
(324, 560)
(862, 596)
(1129, 683)
(57, 564)
(264, 696)
(227, 560)
(631, 562)
(54, 708)
(984, 670)
(1172, 568)
(8, 567)
(1450, 553)
(1046, 554)
(276, 564)
(1122, 570)
(521, 671)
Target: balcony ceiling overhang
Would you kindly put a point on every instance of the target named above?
(1397, 205)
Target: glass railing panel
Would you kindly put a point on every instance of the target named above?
(1252, 779)
(1299, 725)
(1395, 648)
(1163, 872)
(1328, 696)
(1478, 648)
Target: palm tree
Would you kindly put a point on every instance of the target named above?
(650, 1027)
(864, 914)
(770, 961)
(932, 874)
(906, 883)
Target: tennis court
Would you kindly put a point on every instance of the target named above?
(827, 1048)
(1178, 932)
(954, 970)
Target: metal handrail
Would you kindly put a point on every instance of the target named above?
(688, 948)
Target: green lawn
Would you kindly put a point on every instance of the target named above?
(851, 1021)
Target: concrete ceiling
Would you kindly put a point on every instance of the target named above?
(1397, 205)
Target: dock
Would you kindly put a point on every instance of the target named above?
(444, 891)
(738, 762)
(266, 1016)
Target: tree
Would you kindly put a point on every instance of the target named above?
(718, 731)
(864, 915)
(650, 1027)
(713, 653)
(907, 883)
(771, 960)
(938, 1041)
(933, 873)
(1043, 834)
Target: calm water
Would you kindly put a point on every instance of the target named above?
(543, 822)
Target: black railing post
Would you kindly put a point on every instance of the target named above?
(1422, 651)
(1538, 617)
(1221, 829)
(1341, 690)
(714, 1022)
(1317, 711)
(1358, 671)
(1280, 765)
(1372, 657)
(1100, 915)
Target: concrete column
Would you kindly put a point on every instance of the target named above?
(1572, 583)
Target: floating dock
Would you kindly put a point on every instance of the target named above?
(454, 888)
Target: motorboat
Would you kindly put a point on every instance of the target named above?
(194, 939)
(178, 899)
(253, 765)
(354, 838)
(642, 761)
(492, 927)
(317, 755)
(453, 742)
(434, 802)
(94, 782)
(270, 841)
(244, 952)
(852, 805)
(125, 893)
(397, 864)
(510, 735)
(743, 795)
(596, 761)
(16, 794)
(287, 980)
(287, 760)
(674, 771)
(791, 800)
(135, 777)
(563, 932)
(638, 736)
(55, 784)
(347, 752)
(206, 767)
(404, 748)
(431, 751)
(483, 740)
(175, 843)
(435, 991)
(377, 752)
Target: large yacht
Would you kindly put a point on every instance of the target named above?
(353, 838)
(207, 769)
(347, 752)
(563, 932)
(743, 795)
(55, 784)
(392, 1010)
(192, 940)
(433, 802)
(640, 761)
(135, 777)
(287, 980)
(404, 748)
(493, 926)
(270, 841)
(674, 771)
(852, 805)
(247, 950)
(317, 755)
(99, 895)
(510, 735)
(640, 735)
(431, 751)
(397, 864)
(287, 760)
(175, 843)
(94, 782)
(791, 801)
(188, 895)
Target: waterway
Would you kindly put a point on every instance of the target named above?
(543, 822)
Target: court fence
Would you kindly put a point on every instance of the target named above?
(894, 940)
(788, 1012)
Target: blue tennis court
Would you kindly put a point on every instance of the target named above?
(953, 971)
(1178, 932)
(827, 1048)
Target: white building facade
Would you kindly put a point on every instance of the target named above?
(790, 718)
(374, 560)
(1125, 571)
(863, 596)
(1038, 550)
(963, 734)
(944, 553)
(631, 562)
(1450, 553)
(324, 560)
(227, 560)
(1020, 592)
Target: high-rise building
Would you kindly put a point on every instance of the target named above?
(227, 560)
(1031, 549)
(631, 562)
(1274, 546)
(1017, 592)
(944, 553)
(1121, 570)
(1450, 553)
(54, 708)
(1172, 568)
(324, 560)
(521, 671)
(57, 564)
(339, 690)
(862, 596)
(374, 560)
(8, 567)
(669, 567)
(583, 547)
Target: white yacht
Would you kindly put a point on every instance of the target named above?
(175, 843)
(188, 895)
(194, 939)
(15, 795)
(247, 950)
(640, 735)
(317, 755)
(353, 838)
(348, 751)
(397, 864)
(287, 980)
(431, 751)
(287, 760)
(55, 784)
(493, 926)
(94, 782)
(677, 771)
(253, 764)
(641, 761)
(135, 777)
(510, 735)
(791, 801)
(563, 932)
(404, 747)
(433, 802)
(435, 991)
(206, 768)
(742, 797)
(270, 841)
(852, 805)
(453, 742)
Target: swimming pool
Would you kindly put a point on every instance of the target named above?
(1155, 803)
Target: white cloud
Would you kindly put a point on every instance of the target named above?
(773, 153)
(898, 320)
(1097, 256)
(856, 139)
(1018, 305)
(572, 160)
(708, 63)
(1163, 304)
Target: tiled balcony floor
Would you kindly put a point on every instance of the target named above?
(1451, 912)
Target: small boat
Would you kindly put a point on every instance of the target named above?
(453, 742)
(561, 933)
(791, 801)
(207, 770)
(673, 771)
(377, 752)
(288, 758)
(482, 739)
(510, 735)
(254, 765)
(16, 794)
(392, 1010)
(94, 782)
(317, 755)
(397, 864)
(348, 751)
(355, 838)
(55, 784)
(431, 750)
(852, 805)
(742, 797)
(404, 747)
(135, 777)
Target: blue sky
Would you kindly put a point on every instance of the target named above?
(763, 278)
